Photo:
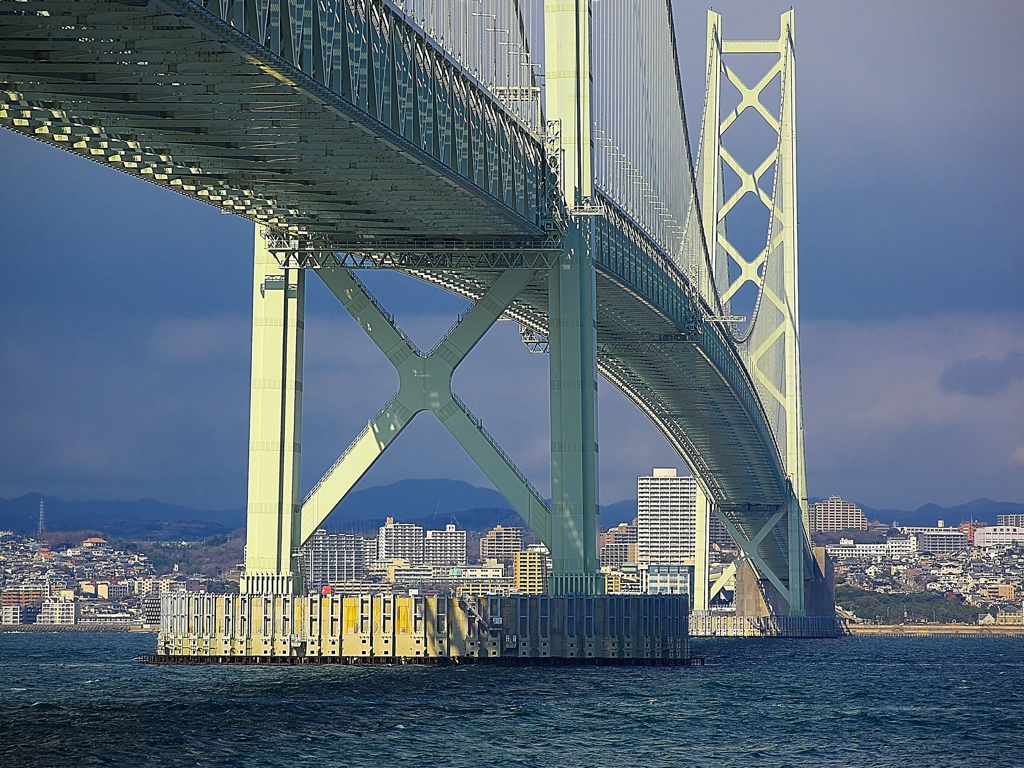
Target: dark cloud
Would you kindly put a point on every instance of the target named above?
(124, 307)
(981, 377)
(878, 427)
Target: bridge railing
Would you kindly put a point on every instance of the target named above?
(375, 56)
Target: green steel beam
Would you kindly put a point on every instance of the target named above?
(749, 547)
(425, 385)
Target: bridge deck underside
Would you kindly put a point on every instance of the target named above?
(686, 396)
(642, 352)
(145, 91)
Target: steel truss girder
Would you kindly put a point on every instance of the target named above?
(425, 385)
(651, 302)
(175, 95)
(417, 260)
(415, 253)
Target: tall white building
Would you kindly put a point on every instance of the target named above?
(834, 514)
(333, 558)
(400, 540)
(447, 547)
(666, 518)
(501, 543)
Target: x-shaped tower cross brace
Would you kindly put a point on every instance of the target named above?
(748, 550)
(425, 384)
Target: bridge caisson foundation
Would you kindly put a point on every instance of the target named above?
(402, 629)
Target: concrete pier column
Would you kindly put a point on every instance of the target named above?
(701, 592)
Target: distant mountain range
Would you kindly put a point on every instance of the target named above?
(983, 510)
(143, 519)
(430, 503)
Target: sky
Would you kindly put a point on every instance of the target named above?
(124, 308)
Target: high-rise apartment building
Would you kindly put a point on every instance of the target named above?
(400, 540)
(615, 554)
(834, 514)
(1010, 521)
(623, 533)
(718, 535)
(501, 544)
(333, 558)
(369, 552)
(447, 547)
(666, 518)
(531, 572)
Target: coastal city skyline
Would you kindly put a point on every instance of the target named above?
(968, 572)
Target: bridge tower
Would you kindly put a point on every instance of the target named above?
(770, 341)
(273, 519)
(279, 521)
(572, 309)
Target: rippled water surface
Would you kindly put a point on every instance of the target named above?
(79, 699)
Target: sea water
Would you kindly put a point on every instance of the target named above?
(79, 699)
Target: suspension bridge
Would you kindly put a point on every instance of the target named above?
(532, 158)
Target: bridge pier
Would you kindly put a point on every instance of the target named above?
(275, 425)
(572, 337)
(797, 548)
(278, 524)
